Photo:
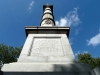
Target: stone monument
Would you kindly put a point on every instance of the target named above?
(46, 51)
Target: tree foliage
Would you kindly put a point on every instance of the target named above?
(88, 59)
(9, 54)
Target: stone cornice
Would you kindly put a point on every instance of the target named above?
(47, 30)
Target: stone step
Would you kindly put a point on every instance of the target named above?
(46, 67)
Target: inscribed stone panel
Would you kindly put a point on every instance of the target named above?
(47, 47)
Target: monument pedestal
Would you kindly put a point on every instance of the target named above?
(46, 54)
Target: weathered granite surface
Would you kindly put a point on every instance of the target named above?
(48, 68)
(96, 70)
(53, 55)
(46, 48)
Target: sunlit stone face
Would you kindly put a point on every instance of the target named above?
(47, 16)
(47, 47)
(47, 23)
(47, 11)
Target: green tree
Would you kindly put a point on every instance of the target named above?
(88, 59)
(9, 54)
(97, 61)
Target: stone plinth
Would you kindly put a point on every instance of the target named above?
(47, 48)
(68, 68)
(46, 52)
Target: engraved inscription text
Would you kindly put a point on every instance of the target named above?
(47, 46)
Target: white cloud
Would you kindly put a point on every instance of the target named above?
(85, 51)
(62, 22)
(77, 31)
(94, 40)
(71, 41)
(71, 19)
(30, 5)
(76, 54)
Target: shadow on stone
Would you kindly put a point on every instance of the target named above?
(74, 69)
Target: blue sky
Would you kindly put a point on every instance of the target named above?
(83, 17)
